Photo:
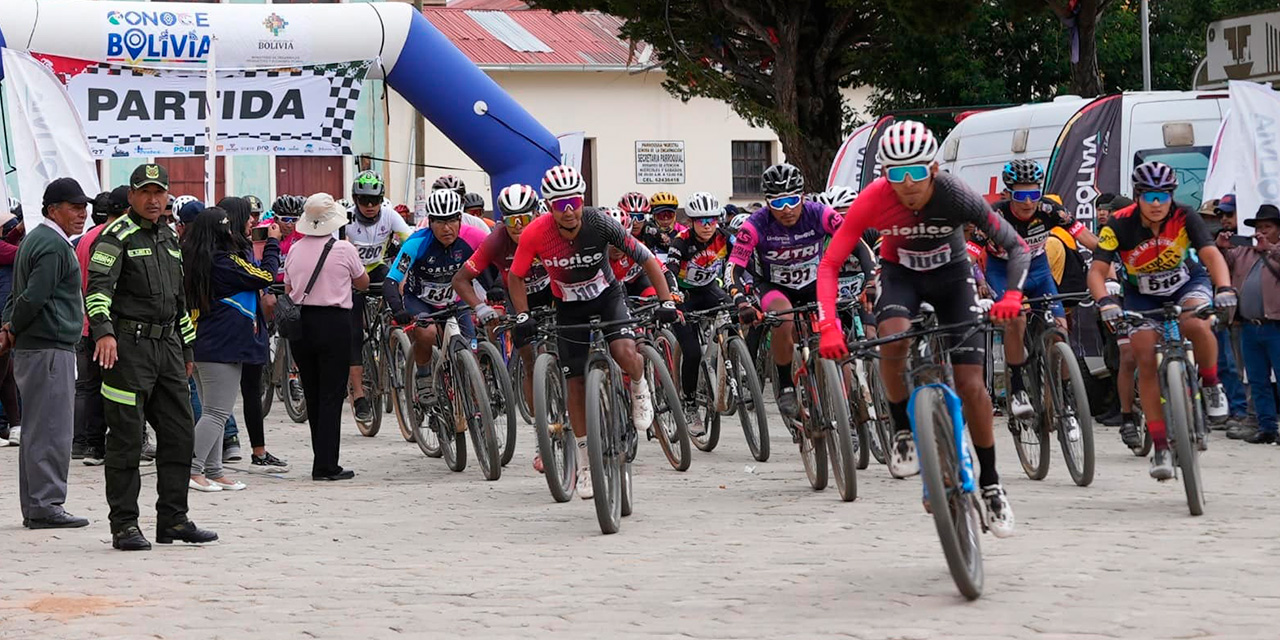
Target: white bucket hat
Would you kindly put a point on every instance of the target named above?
(321, 216)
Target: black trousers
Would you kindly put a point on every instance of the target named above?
(251, 401)
(699, 299)
(90, 423)
(9, 391)
(322, 357)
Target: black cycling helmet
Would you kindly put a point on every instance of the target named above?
(472, 201)
(1022, 171)
(287, 206)
(782, 179)
(450, 182)
(256, 208)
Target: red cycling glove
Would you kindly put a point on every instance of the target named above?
(831, 343)
(1009, 306)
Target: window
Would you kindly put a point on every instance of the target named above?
(1190, 163)
(750, 159)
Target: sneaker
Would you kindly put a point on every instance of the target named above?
(585, 491)
(999, 514)
(4, 435)
(1262, 437)
(1020, 405)
(1129, 434)
(1162, 465)
(364, 410)
(902, 457)
(15, 435)
(226, 484)
(295, 389)
(787, 404)
(1109, 419)
(1241, 432)
(77, 451)
(641, 409)
(211, 487)
(1215, 401)
(231, 450)
(94, 456)
(690, 408)
(267, 463)
(148, 449)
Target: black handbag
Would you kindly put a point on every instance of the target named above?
(288, 313)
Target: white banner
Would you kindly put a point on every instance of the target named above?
(1248, 151)
(571, 148)
(47, 139)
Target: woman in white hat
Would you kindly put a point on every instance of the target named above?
(326, 315)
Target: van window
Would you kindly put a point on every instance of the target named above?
(1191, 163)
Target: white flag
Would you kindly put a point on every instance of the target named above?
(571, 149)
(47, 136)
(1253, 139)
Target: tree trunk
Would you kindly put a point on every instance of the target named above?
(1086, 80)
(816, 131)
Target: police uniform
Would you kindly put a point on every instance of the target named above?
(136, 294)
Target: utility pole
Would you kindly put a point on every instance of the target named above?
(1145, 17)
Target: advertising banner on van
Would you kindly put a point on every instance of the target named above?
(846, 171)
(132, 111)
(1246, 159)
(1086, 158)
(871, 168)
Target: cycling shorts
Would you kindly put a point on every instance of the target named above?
(768, 292)
(1195, 292)
(640, 288)
(949, 289)
(575, 343)
(466, 321)
(376, 275)
(1039, 281)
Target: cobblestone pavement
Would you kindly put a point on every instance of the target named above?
(730, 549)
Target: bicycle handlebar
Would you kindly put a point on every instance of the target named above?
(865, 347)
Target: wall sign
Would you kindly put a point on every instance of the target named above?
(659, 161)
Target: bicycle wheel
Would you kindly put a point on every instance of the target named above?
(745, 388)
(516, 371)
(369, 383)
(501, 399)
(269, 378)
(556, 444)
(1030, 439)
(1071, 402)
(839, 435)
(956, 513)
(881, 428)
(472, 400)
(603, 450)
(1178, 416)
(764, 359)
(453, 444)
(705, 419)
(813, 451)
(669, 425)
(665, 343)
(859, 415)
(295, 401)
(426, 416)
(1141, 418)
(403, 372)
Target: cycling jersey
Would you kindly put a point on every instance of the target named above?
(658, 241)
(1034, 230)
(696, 263)
(499, 250)
(919, 241)
(857, 271)
(426, 267)
(1156, 264)
(787, 256)
(371, 240)
(578, 267)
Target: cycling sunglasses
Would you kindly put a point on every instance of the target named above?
(916, 172)
(517, 220)
(637, 216)
(665, 214)
(566, 204)
(784, 202)
(1157, 197)
(1029, 195)
(448, 220)
(368, 201)
(710, 222)
(287, 219)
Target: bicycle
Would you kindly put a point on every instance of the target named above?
(867, 403)
(736, 388)
(375, 381)
(1184, 415)
(823, 426)
(1058, 395)
(943, 445)
(557, 446)
(670, 427)
(501, 397)
(283, 372)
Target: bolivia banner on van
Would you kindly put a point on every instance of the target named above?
(1086, 159)
(131, 111)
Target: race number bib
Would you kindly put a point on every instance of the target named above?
(925, 260)
(1164, 282)
(537, 283)
(795, 276)
(370, 253)
(851, 286)
(437, 294)
(589, 290)
(698, 276)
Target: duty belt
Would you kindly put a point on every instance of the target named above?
(124, 326)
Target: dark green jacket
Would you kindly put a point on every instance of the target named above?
(45, 310)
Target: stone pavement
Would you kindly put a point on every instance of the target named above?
(730, 549)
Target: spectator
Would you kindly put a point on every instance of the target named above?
(11, 231)
(1255, 272)
(319, 274)
(1222, 222)
(1108, 203)
(42, 323)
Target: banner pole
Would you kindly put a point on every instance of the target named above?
(211, 124)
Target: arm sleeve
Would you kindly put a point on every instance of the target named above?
(675, 254)
(391, 292)
(409, 251)
(104, 272)
(525, 252)
(1108, 243)
(482, 257)
(845, 241)
(398, 226)
(831, 220)
(867, 261)
(247, 276)
(744, 245)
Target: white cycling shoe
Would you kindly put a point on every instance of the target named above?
(641, 404)
(998, 513)
(585, 490)
(1020, 405)
(903, 462)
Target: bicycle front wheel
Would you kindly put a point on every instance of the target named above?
(269, 377)
(745, 389)
(1030, 438)
(476, 410)
(501, 398)
(839, 436)
(1071, 413)
(604, 450)
(372, 392)
(956, 513)
(403, 374)
(859, 415)
(881, 429)
(516, 372)
(813, 451)
(295, 401)
(556, 444)
(705, 420)
(1179, 416)
(669, 425)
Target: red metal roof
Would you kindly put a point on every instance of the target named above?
(489, 5)
(588, 39)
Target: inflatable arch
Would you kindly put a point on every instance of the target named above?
(416, 60)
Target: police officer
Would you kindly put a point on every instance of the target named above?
(138, 320)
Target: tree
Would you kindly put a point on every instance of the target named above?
(777, 63)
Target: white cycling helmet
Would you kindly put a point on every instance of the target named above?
(703, 205)
(618, 215)
(560, 181)
(182, 201)
(738, 221)
(907, 142)
(516, 199)
(838, 197)
(444, 203)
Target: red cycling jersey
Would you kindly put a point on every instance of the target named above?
(579, 267)
(499, 251)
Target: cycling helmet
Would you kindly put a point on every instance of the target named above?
(450, 182)
(169, 207)
(782, 179)
(737, 222)
(1022, 171)
(907, 142)
(664, 199)
(1154, 176)
(472, 201)
(368, 183)
(15, 206)
(288, 206)
(543, 207)
(444, 203)
(703, 205)
(618, 215)
(517, 199)
(838, 197)
(634, 202)
(256, 207)
(344, 203)
(182, 201)
(561, 181)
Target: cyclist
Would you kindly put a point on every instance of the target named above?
(858, 276)
(450, 182)
(921, 214)
(659, 235)
(697, 259)
(473, 205)
(1153, 240)
(572, 243)
(371, 231)
(636, 206)
(1033, 218)
(631, 273)
(781, 243)
(424, 268)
